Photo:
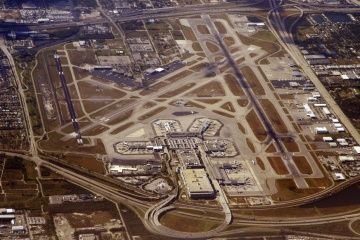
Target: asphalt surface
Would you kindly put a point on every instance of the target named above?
(69, 102)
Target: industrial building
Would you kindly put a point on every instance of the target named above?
(197, 183)
(318, 59)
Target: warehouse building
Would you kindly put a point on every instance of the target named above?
(316, 59)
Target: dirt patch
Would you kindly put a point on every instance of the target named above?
(85, 161)
(208, 100)
(122, 128)
(93, 105)
(287, 190)
(80, 73)
(88, 220)
(273, 116)
(290, 144)
(223, 114)
(193, 104)
(263, 39)
(287, 96)
(151, 113)
(220, 27)
(79, 58)
(229, 41)
(97, 129)
(177, 91)
(240, 60)
(177, 35)
(212, 47)
(186, 224)
(278, 165)
(82, 123)
(253, 81)
(256, 126)
(178, 76)
(149, 105)
(188, 33)
(203, 29)
(111, 108)
(302, 164)
(253, 55)
(233, 85)
(211, 89)
(156, 87)
(356, 226)
(121, 117)
(228, 106)
(199, 67)
(54, 143)
(90, 90)
(271, 148)
(250, 145)
(197, 47)
(318, 182)
(243, 102)
(241, 128)
(260, 163)
(153, 88)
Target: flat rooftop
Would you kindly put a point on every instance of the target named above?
(197, 182)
